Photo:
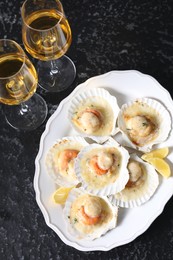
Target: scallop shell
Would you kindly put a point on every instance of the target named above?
(98, 231)
(113, 186)
(91, 97)
(73, 142)
(134, 197)
(161, 115)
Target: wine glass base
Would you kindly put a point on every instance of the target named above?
(56, 75)
(28, 115)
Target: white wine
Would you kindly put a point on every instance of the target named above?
(18, 79)
(46, 34)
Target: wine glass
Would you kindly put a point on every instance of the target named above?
(47, 36)
(18, 82)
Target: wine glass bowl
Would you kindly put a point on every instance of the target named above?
(47, 36)
(18, 78)
(18, 84)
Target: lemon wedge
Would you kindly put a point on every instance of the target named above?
(61, 194)
(159, 153)
(161, 166)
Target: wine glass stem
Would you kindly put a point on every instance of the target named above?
(54, 68)
(27, 115)
(24, 108)
(56, 75)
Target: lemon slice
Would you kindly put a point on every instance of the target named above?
(159, 153)
(61, 194)
(161, 166)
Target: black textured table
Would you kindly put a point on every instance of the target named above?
(107, 35)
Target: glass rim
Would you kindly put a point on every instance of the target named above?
(22, 55)
(39, 30)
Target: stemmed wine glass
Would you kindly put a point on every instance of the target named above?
(24, 108)
(47, 36)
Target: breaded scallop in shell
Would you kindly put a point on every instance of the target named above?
(88, 216)
(143, 123)
(61, 157)
(93, 114)
(102, 169)
(142, 184)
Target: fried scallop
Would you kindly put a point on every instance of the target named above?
(143, 123)
(89, 120)
(60, 160)
(142, 184)
(94, 113)
(102, 169)
(88, 216)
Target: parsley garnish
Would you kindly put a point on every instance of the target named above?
(75, 220)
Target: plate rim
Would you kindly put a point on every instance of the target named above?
(40, 152)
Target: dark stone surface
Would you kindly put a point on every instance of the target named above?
(107, 35)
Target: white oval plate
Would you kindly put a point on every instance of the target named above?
(125, 85)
